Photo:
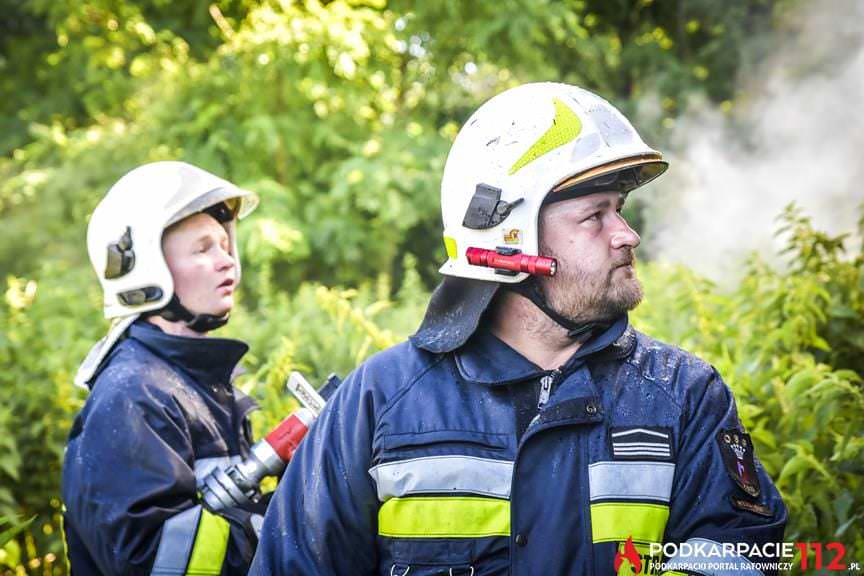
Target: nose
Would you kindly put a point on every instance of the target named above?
(225, 260)
(623, 235)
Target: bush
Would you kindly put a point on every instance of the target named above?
(43, 336)
(789, 345)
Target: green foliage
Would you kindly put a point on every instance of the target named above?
(307, 104)
(89, 58)
(10, 553)
(42, 338)
(620, 48)
(319, 331)
(9, 528)
(340, 114)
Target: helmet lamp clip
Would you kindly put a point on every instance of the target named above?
(486, 209)
(121, 257)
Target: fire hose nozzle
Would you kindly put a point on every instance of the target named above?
(238, 485)
(285, 438)
(511, 260)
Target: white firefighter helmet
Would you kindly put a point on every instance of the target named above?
(528, 145)
(521, 145)
(124, 239)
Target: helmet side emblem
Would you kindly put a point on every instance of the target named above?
(513, 236)
(121, 257)
(565, 128)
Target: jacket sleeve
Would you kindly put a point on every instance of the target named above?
(130, 490)
(720, 496)
(322, 519)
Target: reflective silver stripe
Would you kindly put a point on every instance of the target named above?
(705, 561)
(257, 521)
(203, 466)
(175, 546)
(442, 474)
(631, 480)
(659, 453)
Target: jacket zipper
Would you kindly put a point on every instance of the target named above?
(546, 384)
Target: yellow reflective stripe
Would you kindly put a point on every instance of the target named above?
(566, 126)
(65, 543)
(211, 543)
(673, 573)
(450, 245)
(617, 521)
(444, 517)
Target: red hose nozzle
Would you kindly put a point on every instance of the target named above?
(516, 262)
(285, 438)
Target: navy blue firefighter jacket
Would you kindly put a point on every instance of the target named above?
(161, 414)
(443, 464)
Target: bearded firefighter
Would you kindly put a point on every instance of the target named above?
(527, 428)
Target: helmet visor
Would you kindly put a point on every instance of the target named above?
(240, 203)
(619, 176)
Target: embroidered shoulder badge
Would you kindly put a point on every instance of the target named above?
(737, 450)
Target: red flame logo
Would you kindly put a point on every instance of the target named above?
(632, 556)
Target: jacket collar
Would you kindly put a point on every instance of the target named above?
(487, 360)
(209, 361)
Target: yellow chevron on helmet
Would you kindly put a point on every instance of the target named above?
(565, 128)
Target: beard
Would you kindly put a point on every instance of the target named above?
(583, 296)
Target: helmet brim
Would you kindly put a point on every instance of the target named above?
(242, 203)
(622, 175)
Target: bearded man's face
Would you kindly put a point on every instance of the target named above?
(596, 278)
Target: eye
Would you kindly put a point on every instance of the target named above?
(595, 217)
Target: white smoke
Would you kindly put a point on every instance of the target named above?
(796, 134)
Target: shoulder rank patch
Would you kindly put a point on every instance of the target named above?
(749, 506)
(737, 451)
(641, 443)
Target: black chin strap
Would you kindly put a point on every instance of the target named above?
(530, 289)
(174, 311)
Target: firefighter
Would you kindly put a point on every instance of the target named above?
(527, 428)
(162, 411)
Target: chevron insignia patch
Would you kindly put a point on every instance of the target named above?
(641, 443)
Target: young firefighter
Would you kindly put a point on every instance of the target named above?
(526, 428)
(162, 411)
